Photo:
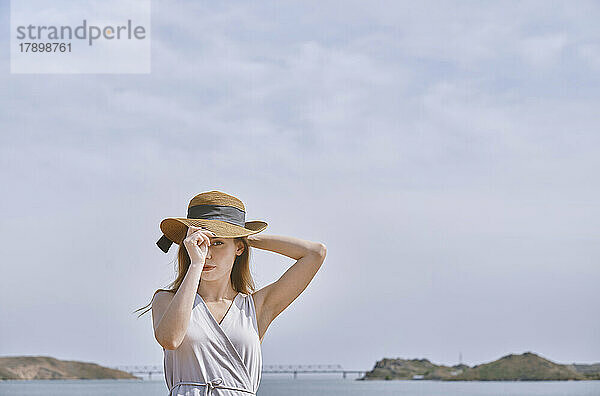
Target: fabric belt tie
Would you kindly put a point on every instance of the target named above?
(209, 386)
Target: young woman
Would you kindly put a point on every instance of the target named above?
(211, 322)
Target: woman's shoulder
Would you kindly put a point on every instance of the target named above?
(163, 292)
(249, 299)
(247, 295)
(246, 298)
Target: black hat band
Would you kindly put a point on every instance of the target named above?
(230, 214)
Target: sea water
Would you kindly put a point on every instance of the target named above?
(279, 385)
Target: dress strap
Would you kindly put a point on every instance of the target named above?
(209, 386)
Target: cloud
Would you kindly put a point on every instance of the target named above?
(590, 53)
(449, 145)
(543, 51)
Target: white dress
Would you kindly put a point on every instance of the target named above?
(217, 359)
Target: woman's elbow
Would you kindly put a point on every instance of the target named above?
(167, 343)
(322, 250)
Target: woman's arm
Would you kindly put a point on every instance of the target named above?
(272, 299)
(171, 313)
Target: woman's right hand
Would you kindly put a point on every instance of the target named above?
(196, 243)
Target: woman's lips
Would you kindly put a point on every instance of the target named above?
(208, 267)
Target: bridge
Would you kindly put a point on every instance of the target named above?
(266, 369)
(309, 369)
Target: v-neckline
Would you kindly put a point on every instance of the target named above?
(221, 337)
(226, 313)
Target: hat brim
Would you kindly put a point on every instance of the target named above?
(175, 228)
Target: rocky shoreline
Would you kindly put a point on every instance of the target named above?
(45, 367)
(525, 367)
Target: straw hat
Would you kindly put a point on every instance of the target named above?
(221, 213)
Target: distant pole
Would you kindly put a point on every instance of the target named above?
(459, 357)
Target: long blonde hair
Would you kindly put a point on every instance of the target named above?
(241, 278)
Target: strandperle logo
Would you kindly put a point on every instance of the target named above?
(82, 32)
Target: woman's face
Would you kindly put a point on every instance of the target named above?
(221, 254)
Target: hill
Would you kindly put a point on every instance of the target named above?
(525, 367)
(411, 369)
(45, 367)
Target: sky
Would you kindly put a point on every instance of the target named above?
(446, 153)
